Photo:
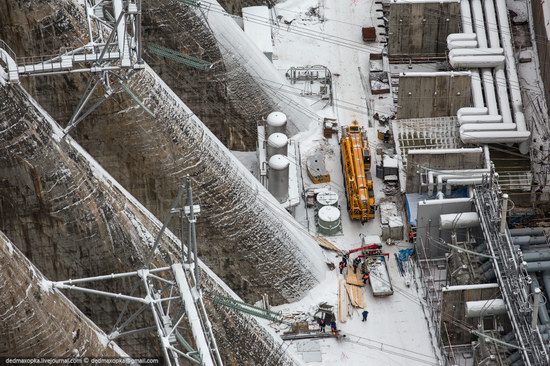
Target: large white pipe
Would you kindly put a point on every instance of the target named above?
(476, 52)
(435, 73)
(488, 127)
(482, 286)
(461, 44)
(469, 150)
(513, 82)
(446, 201)
(489, 118)
(489, 137)
(500, 77)
(461, 36)
(461, 220)
(475, 309)
(471, 111)
(447, 177)
(484, 62)
(464, 181)
(466, 18)
(488, 84)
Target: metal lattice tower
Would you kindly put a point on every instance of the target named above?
(512, 277)
(172, 294)
(113, 45)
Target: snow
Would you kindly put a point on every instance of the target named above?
(238, 49)
(396, 332)
(45, 285)
(255, 30)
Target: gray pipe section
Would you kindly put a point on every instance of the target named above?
(509, 338)
(486, 266)
(546, 281)
(538, 267)
(531, 231)
(536, 255)
(514, 357)
(489, 276)
(528, 240)
(544, 318)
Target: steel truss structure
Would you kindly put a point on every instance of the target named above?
(113, 45)
(512, 277)
(172, 294)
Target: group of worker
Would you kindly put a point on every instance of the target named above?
(357, 262)
(322, 325)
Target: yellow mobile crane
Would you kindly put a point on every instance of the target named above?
(356, 166)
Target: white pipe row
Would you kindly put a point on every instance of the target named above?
(487, 121)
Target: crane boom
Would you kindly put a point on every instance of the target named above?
(356, 166)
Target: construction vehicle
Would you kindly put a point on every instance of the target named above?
(356, 166)
(375, 265)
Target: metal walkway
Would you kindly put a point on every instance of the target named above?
(511, 276)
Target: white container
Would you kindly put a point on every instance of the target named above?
(277, 143)
(329, 220)
(327, 198)
(276, 122)
(277, 183)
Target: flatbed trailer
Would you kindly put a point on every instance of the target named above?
(379, 276)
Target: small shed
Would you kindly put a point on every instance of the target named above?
(316, 169)
(391, 221)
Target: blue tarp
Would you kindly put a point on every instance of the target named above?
(411, 203)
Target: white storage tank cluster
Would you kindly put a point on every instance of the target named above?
(277, 151)
(329, 220)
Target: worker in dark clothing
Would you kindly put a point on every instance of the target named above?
(365, 314)
(365, 278)
(341, 266)
(411, 236)
(356, 263)
(345, 259)
(333, 327)
(387, 136)
(322, 325)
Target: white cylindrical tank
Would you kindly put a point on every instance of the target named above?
(327, 198)
(276, 122)
(278, 177)
(458, 220)
(329, 220)
(277, 143)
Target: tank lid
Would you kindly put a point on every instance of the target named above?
(276, 119)
(277, 139)
(278, 162)
(327, 197)
(329, 214)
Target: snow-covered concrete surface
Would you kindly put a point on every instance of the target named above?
(328, 32)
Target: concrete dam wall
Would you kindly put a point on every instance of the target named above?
(35, 320)
(72, 219)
